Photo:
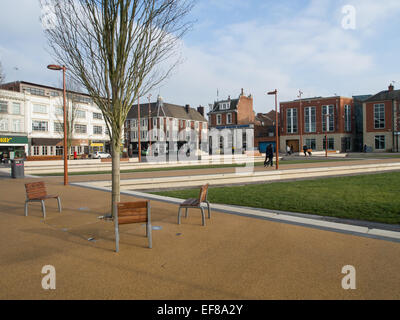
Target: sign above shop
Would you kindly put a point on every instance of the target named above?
(13, 140)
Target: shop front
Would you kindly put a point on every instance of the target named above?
(13, 147)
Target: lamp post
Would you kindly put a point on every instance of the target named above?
(139, 143)
(300, 120)
(64, 69)
(275, 92)
(149, 128)
(326, 135)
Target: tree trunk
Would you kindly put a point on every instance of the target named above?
(116, 176)
(115, 194)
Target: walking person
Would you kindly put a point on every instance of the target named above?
(288, 151)
(269, 156)
(305, 148)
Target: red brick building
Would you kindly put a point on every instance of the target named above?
(265, 130)
(381, 121)
(234, 120)
(308, 121)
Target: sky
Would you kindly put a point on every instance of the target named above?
(316, 46)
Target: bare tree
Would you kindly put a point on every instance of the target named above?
(2, 75)
(118, 50)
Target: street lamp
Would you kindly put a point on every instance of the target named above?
(149, 128)
(275, 92)
(139, 142)
(326, 135)
(300, 119)
(64, 69)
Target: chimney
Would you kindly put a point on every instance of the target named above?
(187, 107)
(391, 87)
(242, 92)
(200, 109)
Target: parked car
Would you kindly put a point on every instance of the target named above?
(100, 155)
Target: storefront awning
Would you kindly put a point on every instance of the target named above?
(47, 142)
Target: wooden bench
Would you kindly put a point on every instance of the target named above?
(36, 192)
(133, 212)
(196, 204)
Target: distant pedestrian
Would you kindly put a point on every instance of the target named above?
(365, 148)
(291, 149)
(288, 151)
(305, 148)
(269, 156)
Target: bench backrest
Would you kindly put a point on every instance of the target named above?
(203, 193)
(35, 190)
(133, 212)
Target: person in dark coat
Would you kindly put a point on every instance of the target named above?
(305, 148)
(269, 156)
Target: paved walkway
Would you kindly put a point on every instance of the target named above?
(233, 257)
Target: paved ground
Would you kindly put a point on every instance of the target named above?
(233, 257)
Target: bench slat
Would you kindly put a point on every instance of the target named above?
(132, 219)
(131, 212)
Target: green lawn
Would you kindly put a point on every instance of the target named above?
(369, 197)
(257, 164)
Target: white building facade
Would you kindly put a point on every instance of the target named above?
(35, 114)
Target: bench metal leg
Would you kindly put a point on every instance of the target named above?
(203, 219)
(59, 204)
(26, 208)
(209, 210)
(179, 215)
(149, 235)
(43, 209)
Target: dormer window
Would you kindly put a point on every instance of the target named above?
(224, 105)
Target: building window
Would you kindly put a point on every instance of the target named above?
(59, 150)
(16, 108)
(36, 150)
(3, 125)
(328, 110)
(379, 116)
(3, 107)
(39, 108)
(80, 128)
(35, 91)
(347, 118)
(225, 105)
(97, 115)
(331, 143)
(40, 126)
(44, 150)
(155, 122)
(219, 119)
(311, 144)
(83, 99)
(310, 120)
(291, 120)
(97, 130)
(60, 111)
(58, 127)
(229, 118)
(54, 94)
(51, 151)
(80, 114)
(380, 143)
(17, 125)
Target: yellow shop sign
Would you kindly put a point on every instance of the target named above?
(5, 140)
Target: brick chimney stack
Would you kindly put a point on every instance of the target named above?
(187, 107)
(200, 109)
(391, 87)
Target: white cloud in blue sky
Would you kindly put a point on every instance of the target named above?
(256, 45)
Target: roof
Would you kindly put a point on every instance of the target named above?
(385, 95)
(15, 84)
(233, 105)
(267, 118)
(362, 97)
(166, 110)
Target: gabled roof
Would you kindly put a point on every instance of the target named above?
(233, 105)
(166, 110)
(385, 96)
